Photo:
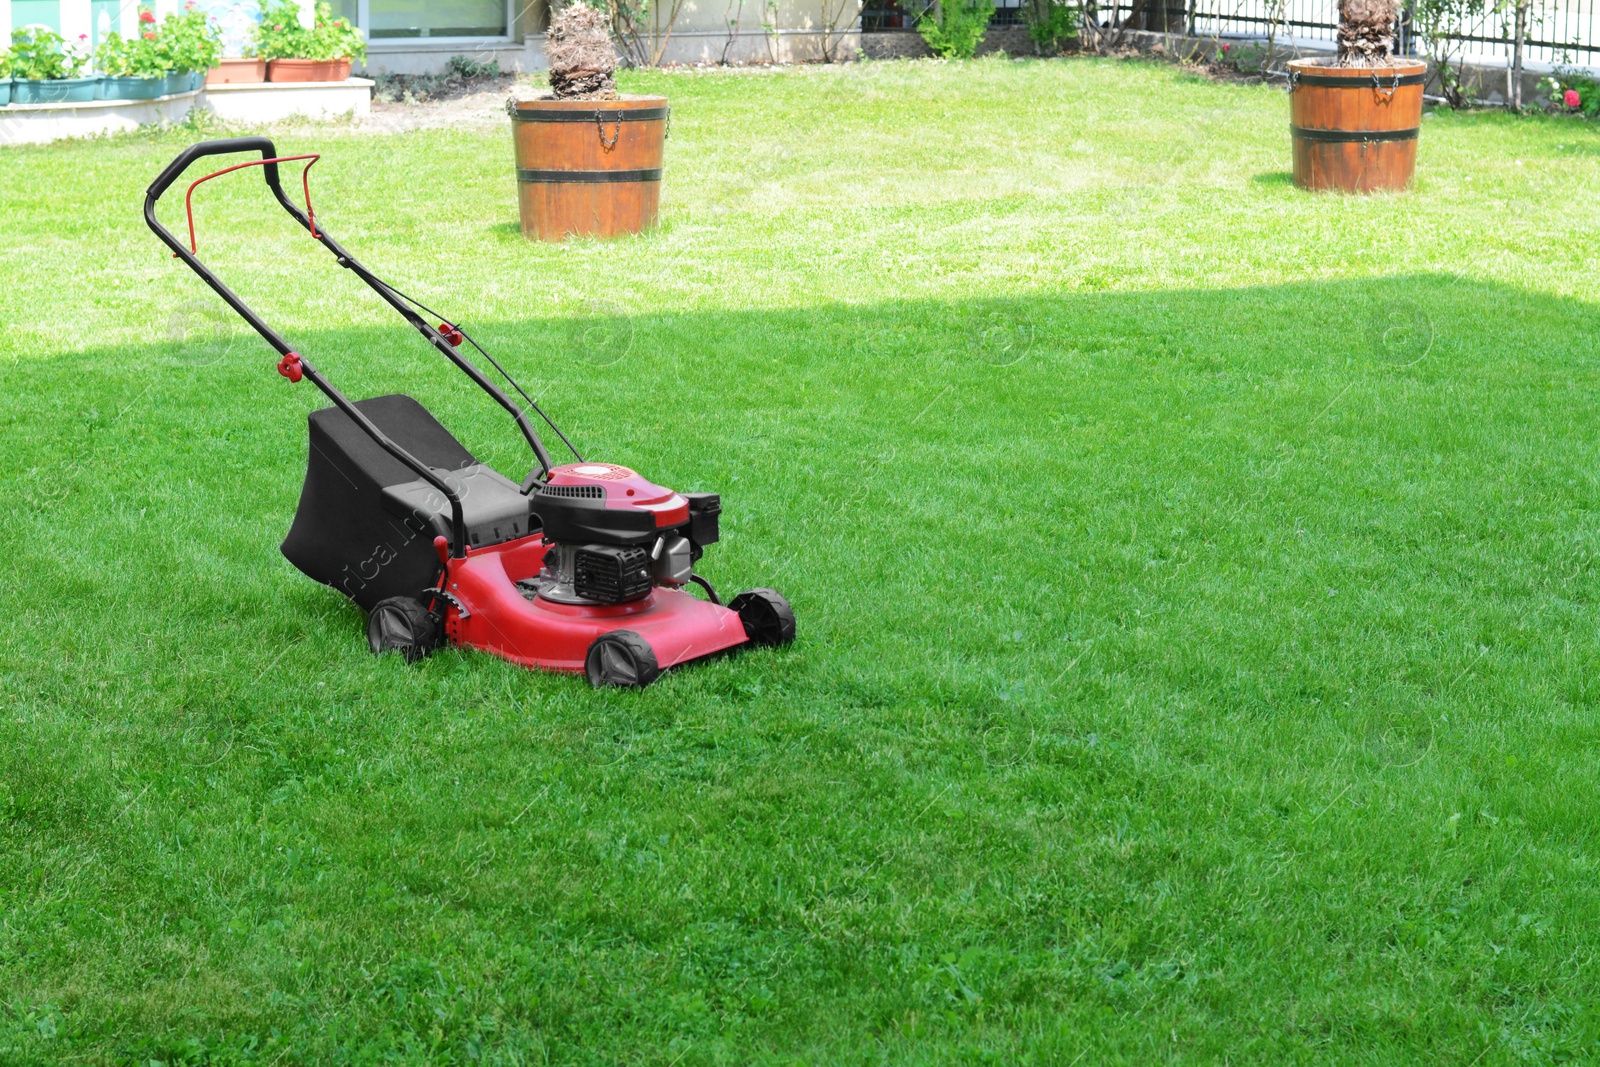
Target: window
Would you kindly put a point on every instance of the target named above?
(36, 13)
(103, 19)
(431, 18)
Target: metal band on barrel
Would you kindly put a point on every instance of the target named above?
(637, 114)
(652, 174)
(1332, 82)
(1348, 136)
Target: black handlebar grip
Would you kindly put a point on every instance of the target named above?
(212, 148)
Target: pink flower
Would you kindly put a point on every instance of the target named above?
(1226, 47)
(147, 16)
(1571, 98)
(83, 36)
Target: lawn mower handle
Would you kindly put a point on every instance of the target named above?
(346, 260)
(222, 147)
(433, 335)
(164, 180)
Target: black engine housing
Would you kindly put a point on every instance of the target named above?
(611, 574)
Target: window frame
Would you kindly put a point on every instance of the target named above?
(404, 44)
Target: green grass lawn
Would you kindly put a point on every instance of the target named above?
(1196, 583)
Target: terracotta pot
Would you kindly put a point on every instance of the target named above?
(1355, 128)
(308, 70)
(237, 70)
(590, 168)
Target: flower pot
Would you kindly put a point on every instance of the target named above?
(1355, 128)
(236, 70)
(5, 92)
(130, 88)
(590, 168)
(308, 70)
(55, 91)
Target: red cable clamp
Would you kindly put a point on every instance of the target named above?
(289, 366)
(450, 333)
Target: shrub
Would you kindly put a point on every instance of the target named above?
(954, 28)
(189, 41)
(1248, 58)
(1442, 25)
(1052, 25)
(469, 68)
(1572, 91)
(38, 54)
(280, 35)
(138, 57)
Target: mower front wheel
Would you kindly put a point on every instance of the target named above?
(401, 624)
(621, 658)
(768, 619)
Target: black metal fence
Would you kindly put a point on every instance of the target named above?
(1559, 31)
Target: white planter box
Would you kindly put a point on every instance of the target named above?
(250, 104)
(42, 123)
(253, 102)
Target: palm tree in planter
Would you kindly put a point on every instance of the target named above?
(1354, 118)
(588, 159)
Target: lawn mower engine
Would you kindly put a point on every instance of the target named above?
(611, 536)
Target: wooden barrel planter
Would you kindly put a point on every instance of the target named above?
(588, 168)
(1355, 128)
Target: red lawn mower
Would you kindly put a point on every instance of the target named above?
(580, 567)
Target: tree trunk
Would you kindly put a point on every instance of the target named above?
(1515, 97)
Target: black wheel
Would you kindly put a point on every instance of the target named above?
(401, 624)
(768, 619)
(621, 657)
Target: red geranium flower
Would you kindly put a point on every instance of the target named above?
(1571, 98)
(149, 36)
(147, 16)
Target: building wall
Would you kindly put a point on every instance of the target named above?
(706, 31)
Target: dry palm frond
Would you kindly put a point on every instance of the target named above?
(1366, 32)
(583, 61)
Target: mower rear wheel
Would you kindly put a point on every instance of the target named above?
(768, 619)
(401, 624)
(621, 658)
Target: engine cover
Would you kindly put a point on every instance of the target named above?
(586, 503)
